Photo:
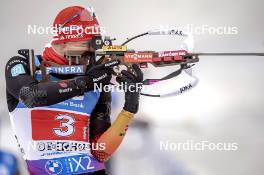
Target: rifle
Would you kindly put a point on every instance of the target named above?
(184, 57)
(106, 51)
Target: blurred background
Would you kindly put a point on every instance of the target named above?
(226, 106)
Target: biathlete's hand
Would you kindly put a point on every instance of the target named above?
(101, 74)
(97, 75)
(132, 84)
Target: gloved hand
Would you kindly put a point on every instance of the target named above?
(97, 75)
(132, 84)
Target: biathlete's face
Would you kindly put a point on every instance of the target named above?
(81, 46)
(78, 53)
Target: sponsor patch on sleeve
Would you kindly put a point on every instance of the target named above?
(17, 70)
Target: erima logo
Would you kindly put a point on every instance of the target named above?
(65, 70)
(185, 88)
(99, 78)
(70, 28)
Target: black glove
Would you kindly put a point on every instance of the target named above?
(97, 75)
(132, 84)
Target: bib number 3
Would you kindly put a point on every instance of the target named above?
(66, 128)
(58, 125)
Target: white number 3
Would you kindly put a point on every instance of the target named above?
(66, 128)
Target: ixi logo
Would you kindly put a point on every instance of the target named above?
(175, 32)
(53, 167)
(185, 88)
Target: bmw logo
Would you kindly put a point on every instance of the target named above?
(53, 167)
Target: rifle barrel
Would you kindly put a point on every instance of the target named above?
(229, 54)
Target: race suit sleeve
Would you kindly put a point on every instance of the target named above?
(102, 133)
(21, 86)
(100, 121)
(113, 136)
